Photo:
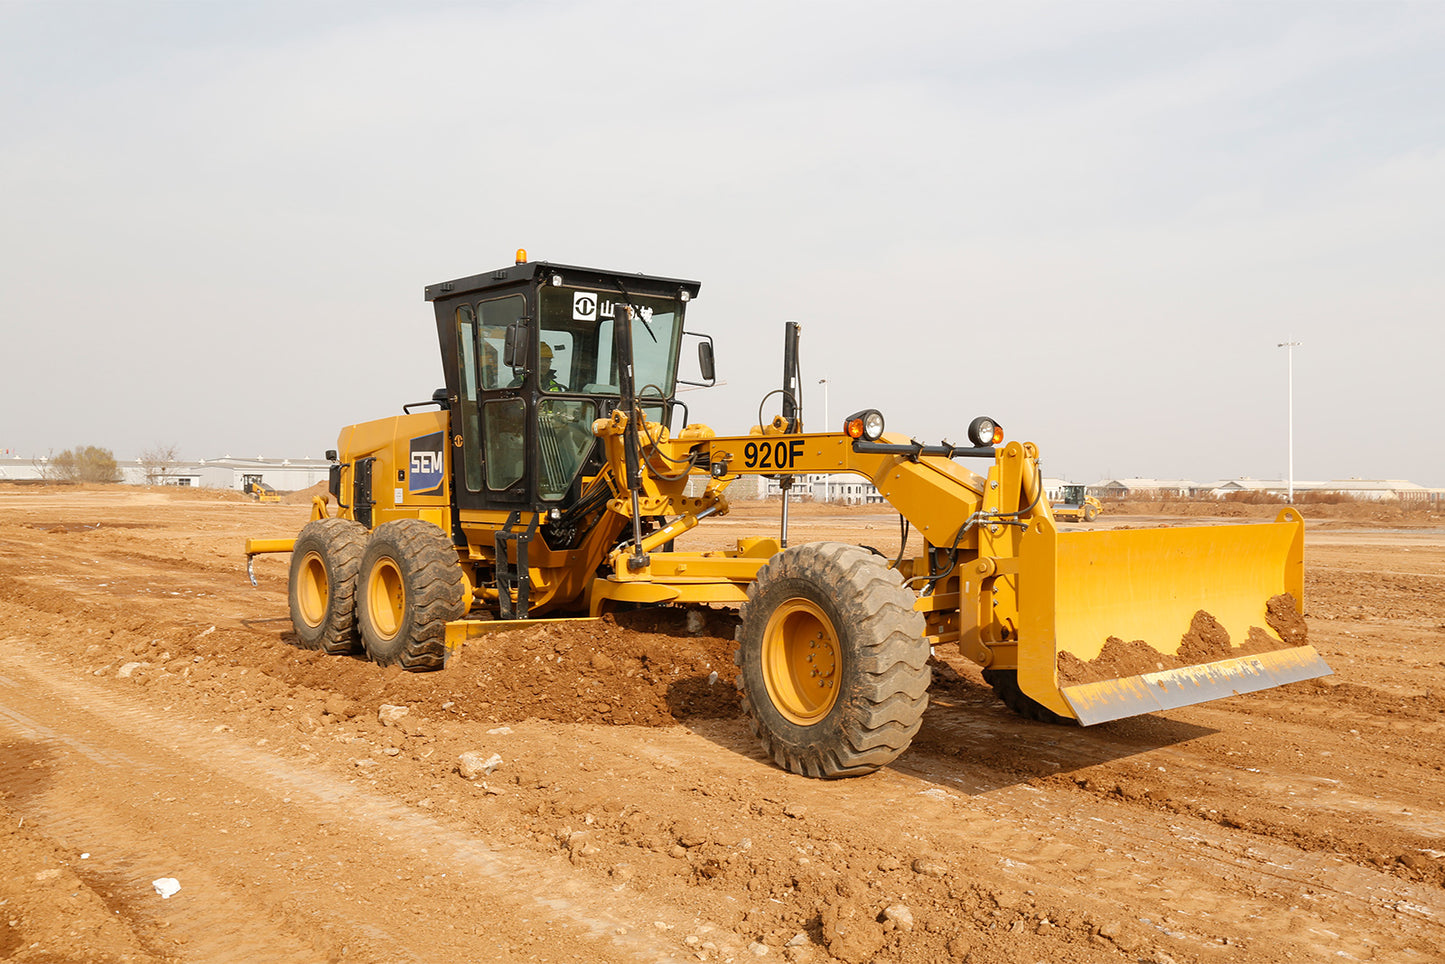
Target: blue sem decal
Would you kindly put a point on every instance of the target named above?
(425, 474)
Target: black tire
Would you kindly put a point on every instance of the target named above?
(410, 587)
(1005, 683)
(852, 700)
(1090, 513)
(322, 584)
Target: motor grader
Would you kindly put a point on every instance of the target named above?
(557, 471)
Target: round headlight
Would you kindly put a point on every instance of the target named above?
(984, 431)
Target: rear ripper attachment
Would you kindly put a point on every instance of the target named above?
(557, 471)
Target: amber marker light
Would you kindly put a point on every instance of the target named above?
(521, 255)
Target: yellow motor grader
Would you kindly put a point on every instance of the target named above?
(551, 477)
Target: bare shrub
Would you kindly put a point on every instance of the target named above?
(1255, 498)
(88, 464)
(155, 460)
(1326, 498)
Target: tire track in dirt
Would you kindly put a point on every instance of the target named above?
(141, 755)
(1214, 888)
(1227, 881)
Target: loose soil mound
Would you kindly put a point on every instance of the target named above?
(1206, 641)
(642, 668)
(304, 496)
(647, 669)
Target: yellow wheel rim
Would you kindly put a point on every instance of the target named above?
(800, 661)
(312, 589)
(386, 597)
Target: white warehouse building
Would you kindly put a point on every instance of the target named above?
(284, 475)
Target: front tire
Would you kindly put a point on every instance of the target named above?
(322, 586)
(410, 587)
(833, 667)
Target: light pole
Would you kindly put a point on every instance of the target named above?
(827, 427)
(1289, 347)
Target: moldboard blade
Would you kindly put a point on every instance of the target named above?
(1132, 695)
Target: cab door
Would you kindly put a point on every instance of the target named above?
(490, 450)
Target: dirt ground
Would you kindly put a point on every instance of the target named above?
(591, 793)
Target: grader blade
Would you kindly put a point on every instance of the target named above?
(1133, 695)
(1118, 623)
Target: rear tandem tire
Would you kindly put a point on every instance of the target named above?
(833, 667)
(1005, 683)
(322, 584)
(410, 588)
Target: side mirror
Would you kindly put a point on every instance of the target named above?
(705, 361)
(514, 346)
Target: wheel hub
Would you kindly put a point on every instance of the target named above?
(800, 661)
(386, 597)
(313, 589)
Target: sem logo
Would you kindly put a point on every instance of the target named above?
(584, 306)
(427, 465)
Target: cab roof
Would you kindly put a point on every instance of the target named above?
(570, 274)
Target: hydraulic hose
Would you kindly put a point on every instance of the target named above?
(931, 580)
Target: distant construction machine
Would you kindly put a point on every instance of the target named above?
(261, 492)
(539, 487)
(1076, 505)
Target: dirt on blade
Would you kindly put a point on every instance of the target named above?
(1205, 641)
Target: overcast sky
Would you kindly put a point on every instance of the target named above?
(1094, 222)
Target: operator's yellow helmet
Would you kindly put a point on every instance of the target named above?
(546, 354)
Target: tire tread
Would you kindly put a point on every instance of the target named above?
(341, 543)
(430, 566)
(889, 690)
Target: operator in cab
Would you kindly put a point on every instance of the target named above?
(548, 380)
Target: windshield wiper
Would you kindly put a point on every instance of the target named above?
(642, 313)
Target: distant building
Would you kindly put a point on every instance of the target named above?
(1376, 490)
(284, 475)
(843, 489)
(16, 469)
(1275, 487)
(1145, 488)
(1365, 490)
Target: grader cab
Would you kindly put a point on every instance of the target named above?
(550, 478)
